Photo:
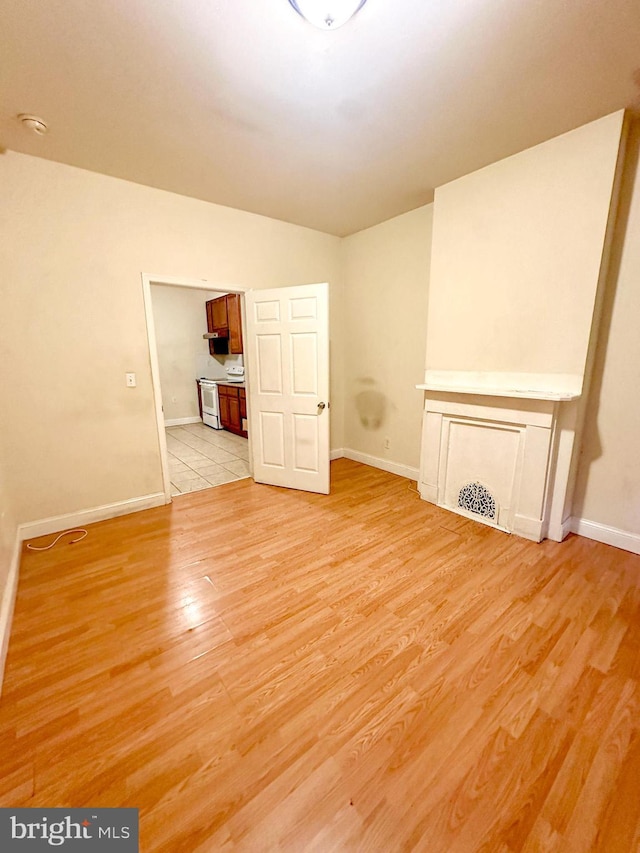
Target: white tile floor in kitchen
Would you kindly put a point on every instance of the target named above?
(201, 457)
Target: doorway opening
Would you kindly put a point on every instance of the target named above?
(195, 455)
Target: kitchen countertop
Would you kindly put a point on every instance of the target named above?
(230, 384)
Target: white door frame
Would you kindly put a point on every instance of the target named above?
(193, 284)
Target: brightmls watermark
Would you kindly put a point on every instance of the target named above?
(79, 830)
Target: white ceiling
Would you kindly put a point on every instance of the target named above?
(243, 103)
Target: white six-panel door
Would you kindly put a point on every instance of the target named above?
(288, 394)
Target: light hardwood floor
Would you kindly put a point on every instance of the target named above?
(261, 669)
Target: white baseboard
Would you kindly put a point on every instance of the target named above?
(169, 422)
(383, 464)
(336, 454)
(57, 523)
(7, 603)
(609, 535)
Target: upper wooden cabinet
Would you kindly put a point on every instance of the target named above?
(219, 318)
(235, 323)
(224, 318)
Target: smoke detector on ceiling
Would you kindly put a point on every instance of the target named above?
(33, 123)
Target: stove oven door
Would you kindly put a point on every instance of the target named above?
(210, 405)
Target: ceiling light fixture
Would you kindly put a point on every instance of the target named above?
(327, 14)
(33, 123)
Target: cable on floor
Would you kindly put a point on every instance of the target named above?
(59, 536)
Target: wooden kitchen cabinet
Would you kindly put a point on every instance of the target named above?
(232, 406)
(223, 402)
(224, 318)
(243, 405)
(219, 316)
(234, 318)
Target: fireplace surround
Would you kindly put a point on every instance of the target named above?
(498, 449)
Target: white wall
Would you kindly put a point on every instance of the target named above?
(73, 246)
(517, 249)
(386, 271)
(180, 320)
(608, 488)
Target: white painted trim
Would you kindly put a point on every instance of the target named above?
(559, 532)
(194, 284)
(428, 492)
(155, 382)
(336, 454)
(603, 533)
(180, 421)
(57, 523)
(383, 464)
(8, 602)
(528, 528)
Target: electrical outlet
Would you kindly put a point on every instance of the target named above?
(387, 443)
(131, 380)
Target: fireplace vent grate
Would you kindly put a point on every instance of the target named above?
(474, 497)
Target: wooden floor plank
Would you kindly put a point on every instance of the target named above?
(257, 669)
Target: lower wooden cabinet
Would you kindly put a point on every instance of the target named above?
(233, 409)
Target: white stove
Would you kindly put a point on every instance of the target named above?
(209, 395)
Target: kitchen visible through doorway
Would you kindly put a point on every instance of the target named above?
(201, 457)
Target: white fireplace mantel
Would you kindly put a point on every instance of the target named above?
(507, 438)
(529, 386)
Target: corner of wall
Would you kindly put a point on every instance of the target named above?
(7, 600)
(612, 347)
